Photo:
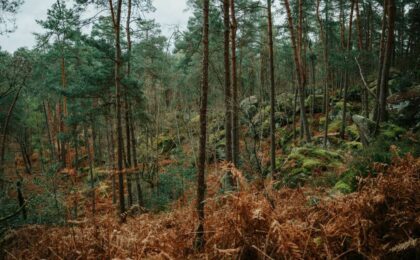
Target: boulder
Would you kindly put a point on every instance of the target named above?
(261, 122)
(303, 162)
(249, 106)
(366, 128)
(285, 103)
(404, 106)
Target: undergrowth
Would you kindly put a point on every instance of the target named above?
(380, 220)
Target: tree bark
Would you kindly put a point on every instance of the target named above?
(228, 91)
(235, 102)
(116, 18)
(383, 93)
(300, 73)
(324, 42)
(381, 61)
(346, 74)
(272, 91)
(201, 184)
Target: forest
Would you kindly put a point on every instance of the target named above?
(264, 129)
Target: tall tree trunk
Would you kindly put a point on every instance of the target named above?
(128, 153)
(228, 91)
(381, 61)
(383, 93)
(92, 181)
(346, 74)
(112, 157)
(365, 95)
(135, 165)
(63, 113)
(201, 183)
(116, 18)
(235, 102)
(300, 73)
(324, 42)
(272, 91)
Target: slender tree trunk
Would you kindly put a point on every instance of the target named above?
(381, 61)
(364, 94)
(116, 18)
(272, 91)
(92, 181)
(201, 183)
(235, 103)
(346, 74)
(128, 153)
(21, 200)
(112, 158)
(135, 164)
(63, 113)
(228, 91)
(300, 73)
(383, 93)
(323, 36)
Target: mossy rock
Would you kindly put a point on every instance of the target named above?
(311, 163)
(249, 106)
(285, 102)
(303, 161)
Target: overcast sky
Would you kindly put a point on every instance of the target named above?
(169, 13)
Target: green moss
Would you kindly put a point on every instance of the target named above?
(311, 163)
(216, 137)
(392, 131)
(353, 145)
(343, 187)
(303, 161)
(353, 132)
(334, 126)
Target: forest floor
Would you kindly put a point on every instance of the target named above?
(380, 219)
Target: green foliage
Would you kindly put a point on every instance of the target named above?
(171, 186)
